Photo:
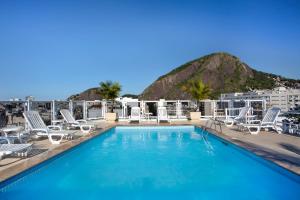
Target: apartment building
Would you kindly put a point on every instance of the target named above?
(284, 98)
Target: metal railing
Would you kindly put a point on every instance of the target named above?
(176, 109)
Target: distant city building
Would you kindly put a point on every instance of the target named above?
(281, 97)
(15, 99)
(29, 98)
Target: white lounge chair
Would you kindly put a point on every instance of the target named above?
(135, 114)
(84, 126)
(162, 114)
(14, 133)
(37, 125)
(241, 118)
(269, 121)
(18, 149)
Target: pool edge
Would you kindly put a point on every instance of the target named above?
(247, 149)
(29, 163)
(46, 157)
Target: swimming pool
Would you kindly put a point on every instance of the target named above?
(174, 162)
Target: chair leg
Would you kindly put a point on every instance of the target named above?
(55, 141)
(256, 129)
(278, 129)
(70, 137)
(86, 128)
(24, 153)
(228, 123)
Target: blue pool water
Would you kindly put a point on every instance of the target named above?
(154, 163)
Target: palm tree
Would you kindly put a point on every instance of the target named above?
(198, 90)
(110, 90)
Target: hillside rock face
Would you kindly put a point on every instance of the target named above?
(222, 72)
(89, 95)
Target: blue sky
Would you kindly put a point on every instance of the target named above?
(52, 49)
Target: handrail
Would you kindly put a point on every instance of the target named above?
(215, 123)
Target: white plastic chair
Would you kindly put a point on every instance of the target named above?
(135, 114)
(269, 121)
(37, 125)
(162, 114)
(241, 118)
(84, 126)
(21, 150)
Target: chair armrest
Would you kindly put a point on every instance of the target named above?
(5, 139)
(81, 120)
(252, 117)
(254, 121)
(54, 127)
(93, 118)
(39, 130)
(268, 123)
(59, 121)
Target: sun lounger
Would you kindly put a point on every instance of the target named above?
(14, 133)
(241, 118)
(37, 125)
(162, 114)
(269, 121)
(84, 126)
(18, 149)
(135, 114)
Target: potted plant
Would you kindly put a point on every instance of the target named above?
(198, 91)
(110, 90)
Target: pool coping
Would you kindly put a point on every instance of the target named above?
(26, 164)
(268, 163)
(251, 149)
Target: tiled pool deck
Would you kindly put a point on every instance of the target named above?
(279, 148)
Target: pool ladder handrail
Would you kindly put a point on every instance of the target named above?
(206, 142)
(214, 122)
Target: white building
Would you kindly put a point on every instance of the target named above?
(29, 98)
(15, 99)
(281, 97)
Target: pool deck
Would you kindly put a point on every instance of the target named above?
(281, 149)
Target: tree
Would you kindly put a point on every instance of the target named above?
(110, 90)
(198, 90)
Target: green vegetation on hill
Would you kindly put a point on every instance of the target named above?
(222, 72)
(200, 61)
(260, 80)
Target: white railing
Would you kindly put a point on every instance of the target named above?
(176, 109)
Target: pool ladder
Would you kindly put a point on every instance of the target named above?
(213, 123)
(208, 145)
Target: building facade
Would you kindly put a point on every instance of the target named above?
(284, 98)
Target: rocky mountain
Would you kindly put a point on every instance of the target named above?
(222, 72)
(89, 95)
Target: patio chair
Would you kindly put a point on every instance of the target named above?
(84, 126)
(241, 118)
(17, 149)
(14, 133)
(135, 114)
(162, 114)
(37, 125)
(269, 121)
